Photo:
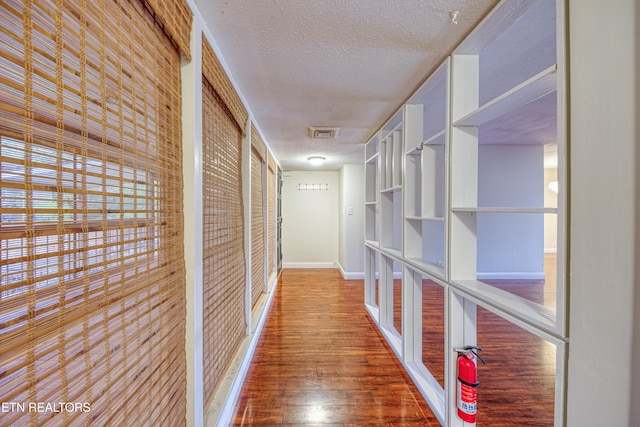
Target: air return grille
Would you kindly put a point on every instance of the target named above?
(323, 132)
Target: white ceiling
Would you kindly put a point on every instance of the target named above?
(344, 63)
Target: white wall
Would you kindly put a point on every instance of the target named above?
(604, 208)
(510, 246)
(351, 250)
(310, 220)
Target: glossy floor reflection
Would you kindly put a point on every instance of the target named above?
(320, 361)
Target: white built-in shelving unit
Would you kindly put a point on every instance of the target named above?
(465, 189)
(427, 141)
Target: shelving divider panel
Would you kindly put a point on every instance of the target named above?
(396, 165)
(536, 87)
(382, 164)
(388, 165)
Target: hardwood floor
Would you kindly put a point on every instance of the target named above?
(321, 361)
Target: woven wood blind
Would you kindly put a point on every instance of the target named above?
(174, 17)
(92, 282)
(258, 144)
(224, 270)
(214, 73)
(271, 213)
(257, 227)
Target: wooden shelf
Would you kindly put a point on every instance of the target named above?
(373, 158)
(375, 202)
(536, 87)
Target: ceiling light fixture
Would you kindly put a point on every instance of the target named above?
(316, 160)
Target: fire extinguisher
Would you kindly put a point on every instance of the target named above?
(467, 384)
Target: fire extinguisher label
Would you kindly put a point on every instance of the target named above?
(467, 398)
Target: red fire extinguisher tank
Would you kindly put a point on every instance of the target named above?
(467, 384)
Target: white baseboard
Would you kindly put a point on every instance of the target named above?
(220, 411)
(308, 265)
(511, 275)
(350, 275)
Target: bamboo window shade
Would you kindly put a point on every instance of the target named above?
(271, 206)
(224, 268)
(92, 280)
(257, 217)
(174, 16)
(218, 80)
(258, 144)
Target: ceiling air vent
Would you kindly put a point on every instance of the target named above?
(316, 132)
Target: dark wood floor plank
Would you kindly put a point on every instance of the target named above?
(321, 361)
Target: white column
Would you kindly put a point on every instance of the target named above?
(192, 176)
(604, 242)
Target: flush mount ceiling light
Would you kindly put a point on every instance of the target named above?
(323, 132)
(316, 160)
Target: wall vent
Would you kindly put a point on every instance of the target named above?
(316, 132)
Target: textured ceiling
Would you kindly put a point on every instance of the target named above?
(350, 64)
